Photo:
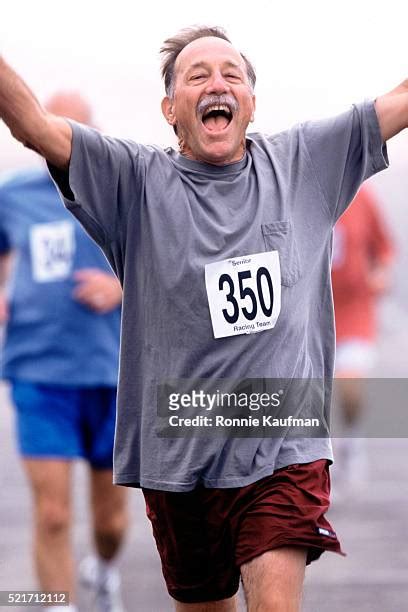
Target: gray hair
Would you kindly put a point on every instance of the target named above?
(172, 47)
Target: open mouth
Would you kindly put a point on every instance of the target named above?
(217, 117)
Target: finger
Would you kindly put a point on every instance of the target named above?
(85, 273)
(95, 306)
(86, 277)
(82, 293)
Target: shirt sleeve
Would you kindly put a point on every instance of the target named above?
(102, 182)
(345, 151)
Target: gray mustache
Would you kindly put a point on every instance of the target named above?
(212, 100)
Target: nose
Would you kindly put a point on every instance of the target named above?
(217, 84)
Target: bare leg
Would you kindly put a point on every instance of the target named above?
(273, 581)
(352, 462)
(50, 485)
(351, 392)
(109, 513)
(224, 605)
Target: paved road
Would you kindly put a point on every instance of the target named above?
(372, 524)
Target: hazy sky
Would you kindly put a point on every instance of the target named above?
(313, 58)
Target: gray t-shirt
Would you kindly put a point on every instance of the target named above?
(160, 219)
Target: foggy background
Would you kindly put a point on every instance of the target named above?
(312, 59)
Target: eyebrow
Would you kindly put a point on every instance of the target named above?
(202, 64)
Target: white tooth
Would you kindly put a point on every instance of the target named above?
(218, 107)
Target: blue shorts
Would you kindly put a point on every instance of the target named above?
(65, 422)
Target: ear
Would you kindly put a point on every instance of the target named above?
(167, 110)
(253, 109)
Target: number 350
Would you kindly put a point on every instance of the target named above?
(245, 292)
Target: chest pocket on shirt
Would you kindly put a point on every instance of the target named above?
(278, 236)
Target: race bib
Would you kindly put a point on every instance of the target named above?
(52, 250)
(244, 294)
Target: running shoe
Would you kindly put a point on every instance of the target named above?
(105, 586)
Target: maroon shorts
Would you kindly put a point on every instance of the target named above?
(204, 536)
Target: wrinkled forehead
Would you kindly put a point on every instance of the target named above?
(208, 50)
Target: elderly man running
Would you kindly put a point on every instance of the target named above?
(227, 236)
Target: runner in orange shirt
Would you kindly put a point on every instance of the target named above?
(362, 254)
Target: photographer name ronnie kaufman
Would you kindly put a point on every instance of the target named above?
(249, 421)
(208, 401)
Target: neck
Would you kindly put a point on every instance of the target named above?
(186, 152)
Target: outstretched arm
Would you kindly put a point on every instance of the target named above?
(392, 111)
(45, 133)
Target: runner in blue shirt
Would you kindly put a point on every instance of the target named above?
(61, 308)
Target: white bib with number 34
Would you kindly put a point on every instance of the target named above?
(52, 250)
(244, 293)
